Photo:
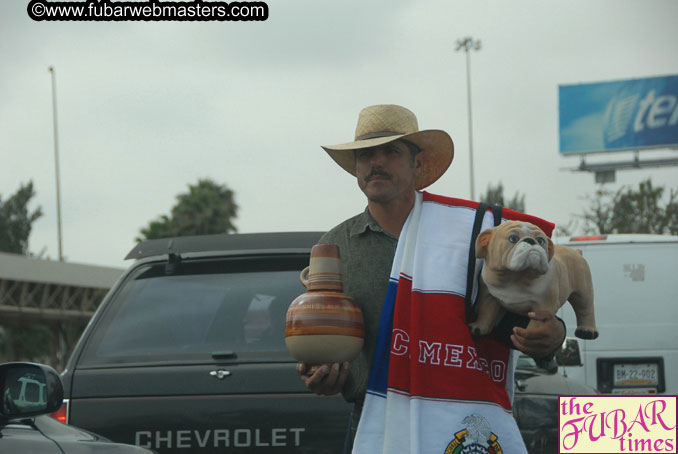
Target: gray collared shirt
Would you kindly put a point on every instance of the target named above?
(367, 253)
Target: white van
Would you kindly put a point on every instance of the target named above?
(635, 279)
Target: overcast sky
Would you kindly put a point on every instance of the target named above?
(147, 108)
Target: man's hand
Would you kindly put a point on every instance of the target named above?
(544, 334)
(324, 380)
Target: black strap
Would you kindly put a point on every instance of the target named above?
(498, 212)
(471, 271)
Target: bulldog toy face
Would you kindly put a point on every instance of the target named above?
(515, 246)
(525, 272)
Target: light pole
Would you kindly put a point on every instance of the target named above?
(56, 162)
(468, 44)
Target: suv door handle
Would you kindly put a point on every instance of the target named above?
(220, 374)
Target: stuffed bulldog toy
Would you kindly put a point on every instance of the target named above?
(524, 271)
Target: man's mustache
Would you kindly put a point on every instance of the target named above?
(377, 172)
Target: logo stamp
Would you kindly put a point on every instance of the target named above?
(617, 424)
(475, 438)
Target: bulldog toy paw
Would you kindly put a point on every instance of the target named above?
(524, 271)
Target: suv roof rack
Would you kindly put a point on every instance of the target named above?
(279, 241)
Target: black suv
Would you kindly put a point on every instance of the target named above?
(186, 354)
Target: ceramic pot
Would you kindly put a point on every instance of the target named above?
(324, 325)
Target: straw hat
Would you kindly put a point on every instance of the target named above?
(384, 123)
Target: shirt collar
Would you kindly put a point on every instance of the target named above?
(366, 221)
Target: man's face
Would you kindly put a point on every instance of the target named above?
(386, 172)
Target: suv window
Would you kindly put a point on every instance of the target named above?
(205, 309)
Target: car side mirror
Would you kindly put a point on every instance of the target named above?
(28, 389)
(569, 353)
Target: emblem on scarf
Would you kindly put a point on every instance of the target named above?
(476, 438)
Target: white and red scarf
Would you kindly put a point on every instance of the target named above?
(433, 388)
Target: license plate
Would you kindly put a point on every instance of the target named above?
(641, 374)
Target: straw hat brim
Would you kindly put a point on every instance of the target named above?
(437, 152)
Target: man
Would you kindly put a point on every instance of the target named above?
(391, 160)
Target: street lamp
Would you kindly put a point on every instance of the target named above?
(56, 162)
(468, 44)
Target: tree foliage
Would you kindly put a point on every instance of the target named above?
(16, 220)
(633, 211)
(206, 208)
(25, 342)
(495, 196)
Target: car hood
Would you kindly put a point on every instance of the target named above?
(536, 382)
(73, 439)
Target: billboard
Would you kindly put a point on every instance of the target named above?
(619, 115)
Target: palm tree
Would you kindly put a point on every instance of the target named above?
(207, 208)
